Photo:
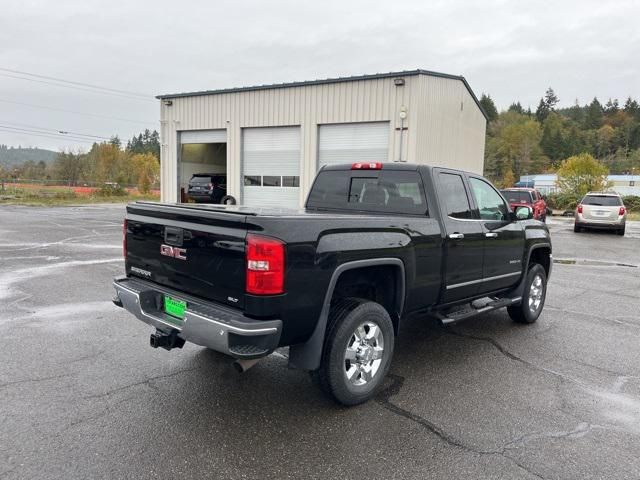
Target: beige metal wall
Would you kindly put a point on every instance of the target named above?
(438, 131)
(451, 126)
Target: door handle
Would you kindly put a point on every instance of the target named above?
(491, 235)
(456, 236)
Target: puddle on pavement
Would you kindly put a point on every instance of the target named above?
(593, 263)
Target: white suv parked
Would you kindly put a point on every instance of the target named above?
(603, 210)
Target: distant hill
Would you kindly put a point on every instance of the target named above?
(10, 156)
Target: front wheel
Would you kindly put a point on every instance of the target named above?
(535, 292)
(357, 351)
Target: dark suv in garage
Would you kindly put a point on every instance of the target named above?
(207, 187)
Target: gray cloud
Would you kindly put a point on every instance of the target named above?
(511, 50)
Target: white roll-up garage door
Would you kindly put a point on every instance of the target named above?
(271, 166)
(353, 142)
(203, 136)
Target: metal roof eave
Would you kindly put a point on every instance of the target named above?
(354, 78)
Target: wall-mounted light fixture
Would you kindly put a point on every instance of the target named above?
(167, 103)
(398, 82)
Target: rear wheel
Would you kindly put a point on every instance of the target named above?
(535, 292)
(228, 200)
(357, 351)
(621, 232)
(576, 228)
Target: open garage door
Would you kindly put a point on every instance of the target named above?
(203, 161)
(353, 142)
(271, 166)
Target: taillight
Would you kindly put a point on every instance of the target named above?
(366, 166)
(621, 211)
(579, 208)
(124, 238)
(265, 265)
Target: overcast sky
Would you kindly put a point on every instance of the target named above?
(512, 50)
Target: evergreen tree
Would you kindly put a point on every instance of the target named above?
(547, 104)
(542, 111)
(489, 107)
(553, 141)
(516, 107)
(576, 112)
(632, 108)
(551, 99)
(593, 117)
(146, 142)
(611, 107)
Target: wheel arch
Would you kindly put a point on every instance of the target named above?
(307, 355)
(538, 251)
(541, 253)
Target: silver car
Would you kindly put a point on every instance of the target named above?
(603, 210)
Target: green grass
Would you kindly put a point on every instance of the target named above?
(633, 216)
(69, 199)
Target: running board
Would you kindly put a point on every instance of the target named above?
(475, 308)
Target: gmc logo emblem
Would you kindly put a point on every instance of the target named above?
(175, 252)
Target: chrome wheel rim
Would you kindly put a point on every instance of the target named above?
(364, 352)
(535, 293)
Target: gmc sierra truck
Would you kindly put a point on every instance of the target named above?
(374, 244)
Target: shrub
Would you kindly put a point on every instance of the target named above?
(562, 201)
(111, 190)
(632, 202)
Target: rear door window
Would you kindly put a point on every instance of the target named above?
(602, 200)
(454, 196)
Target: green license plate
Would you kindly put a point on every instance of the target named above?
(174, 307)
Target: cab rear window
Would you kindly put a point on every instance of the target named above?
(383, 191)
(515, 196)
(201, 180)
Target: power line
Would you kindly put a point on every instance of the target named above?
(55, 130)
(53, 135)
(74, 112)
(43, 135)
(115, 90)
(73, 87)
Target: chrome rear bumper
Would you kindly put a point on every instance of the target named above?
(205, 323)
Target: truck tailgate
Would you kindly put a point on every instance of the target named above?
(194, 250)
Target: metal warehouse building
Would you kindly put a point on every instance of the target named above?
(271, 140)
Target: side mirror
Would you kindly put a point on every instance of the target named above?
(524, 213)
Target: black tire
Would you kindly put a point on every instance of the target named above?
(345, 318)
(576, 228)
(621, 231)
(525, 313)
(228, 200)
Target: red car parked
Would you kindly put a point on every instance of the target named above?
(518, 197)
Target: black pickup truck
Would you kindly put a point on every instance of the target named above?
(374, 244)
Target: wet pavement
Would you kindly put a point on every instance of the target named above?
(83, 396)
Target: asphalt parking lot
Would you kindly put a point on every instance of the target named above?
(83, 396)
